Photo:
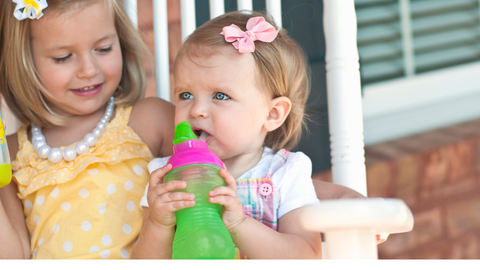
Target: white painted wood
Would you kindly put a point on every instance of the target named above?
(188, 17)
(407, 38)
(407, 106)
(244, 5)
(131, 9)
(160, 28)
(274, 8)
(217, 8)
(344, 96)
(350, 225)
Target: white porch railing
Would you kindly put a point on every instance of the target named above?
(349, 225)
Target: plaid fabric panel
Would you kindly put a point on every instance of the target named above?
(260, 197)
(260, 207)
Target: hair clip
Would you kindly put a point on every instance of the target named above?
(31, 9)
(257, 29)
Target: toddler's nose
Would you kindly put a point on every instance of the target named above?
(199, 110)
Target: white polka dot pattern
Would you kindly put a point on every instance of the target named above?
(94, 197)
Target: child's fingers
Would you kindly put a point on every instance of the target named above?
(382, 238)
(156, 176)
(171, 207)
(229, 180)
(230, 203)
(176, 196)
(168, 187)
(222, 190)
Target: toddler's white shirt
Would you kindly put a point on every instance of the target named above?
(293, 180)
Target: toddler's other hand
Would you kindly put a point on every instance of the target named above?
(227, 196)
(163, 202)
(382, 238)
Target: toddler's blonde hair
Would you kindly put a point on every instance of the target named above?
(282, 66)
(20, 84)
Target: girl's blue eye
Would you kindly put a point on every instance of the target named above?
(221, 96)
(186, 95)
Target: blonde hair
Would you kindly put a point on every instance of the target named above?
(20, 84)
(282, 66)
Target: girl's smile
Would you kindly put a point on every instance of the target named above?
(88, 91)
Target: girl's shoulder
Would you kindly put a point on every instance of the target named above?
(152, 119)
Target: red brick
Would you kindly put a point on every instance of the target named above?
(384, 152)
(466, 248)
(463, 217)
(424, 142)
(406, 178)
(396, 244)
(427, 227)
(434, 172)
(461, 160)
(464, 130)
(460, 187)
(437, 252)
(379, 180)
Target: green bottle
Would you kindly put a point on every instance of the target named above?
(5, 166)
(200, 232)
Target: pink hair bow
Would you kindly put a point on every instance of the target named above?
(257, 29)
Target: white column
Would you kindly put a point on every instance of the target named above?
(217, 8)
(188, 18)
(344, 97)
(244, 5)
(407, 38)
(274, 8)
(160, 28)
(131, 9)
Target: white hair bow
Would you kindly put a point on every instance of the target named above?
(29, 9)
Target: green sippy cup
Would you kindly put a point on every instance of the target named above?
(5, 166)
(200, 232)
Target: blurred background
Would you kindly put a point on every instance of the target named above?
(420, 71)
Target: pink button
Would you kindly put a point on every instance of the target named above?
(265, 189)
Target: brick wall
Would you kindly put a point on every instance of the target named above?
(437, 174)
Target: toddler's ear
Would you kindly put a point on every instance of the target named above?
(279, 110)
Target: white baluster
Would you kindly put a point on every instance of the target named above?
(188, 18)
(344, 96)
(131, 9)
(217, 8)
(160, 28)
(244, 5)
(274, 8)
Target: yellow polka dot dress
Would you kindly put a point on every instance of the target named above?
(87, 208)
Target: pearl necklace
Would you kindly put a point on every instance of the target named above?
(55, 155)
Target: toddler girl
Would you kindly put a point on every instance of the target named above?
(242, 85)
(72, 72)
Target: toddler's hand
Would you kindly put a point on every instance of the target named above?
(227, 196)
(163, 202)
(382, 238)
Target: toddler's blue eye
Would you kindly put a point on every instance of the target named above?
(221, 96)
(186, 95)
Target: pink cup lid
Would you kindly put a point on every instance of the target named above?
(193, 152)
